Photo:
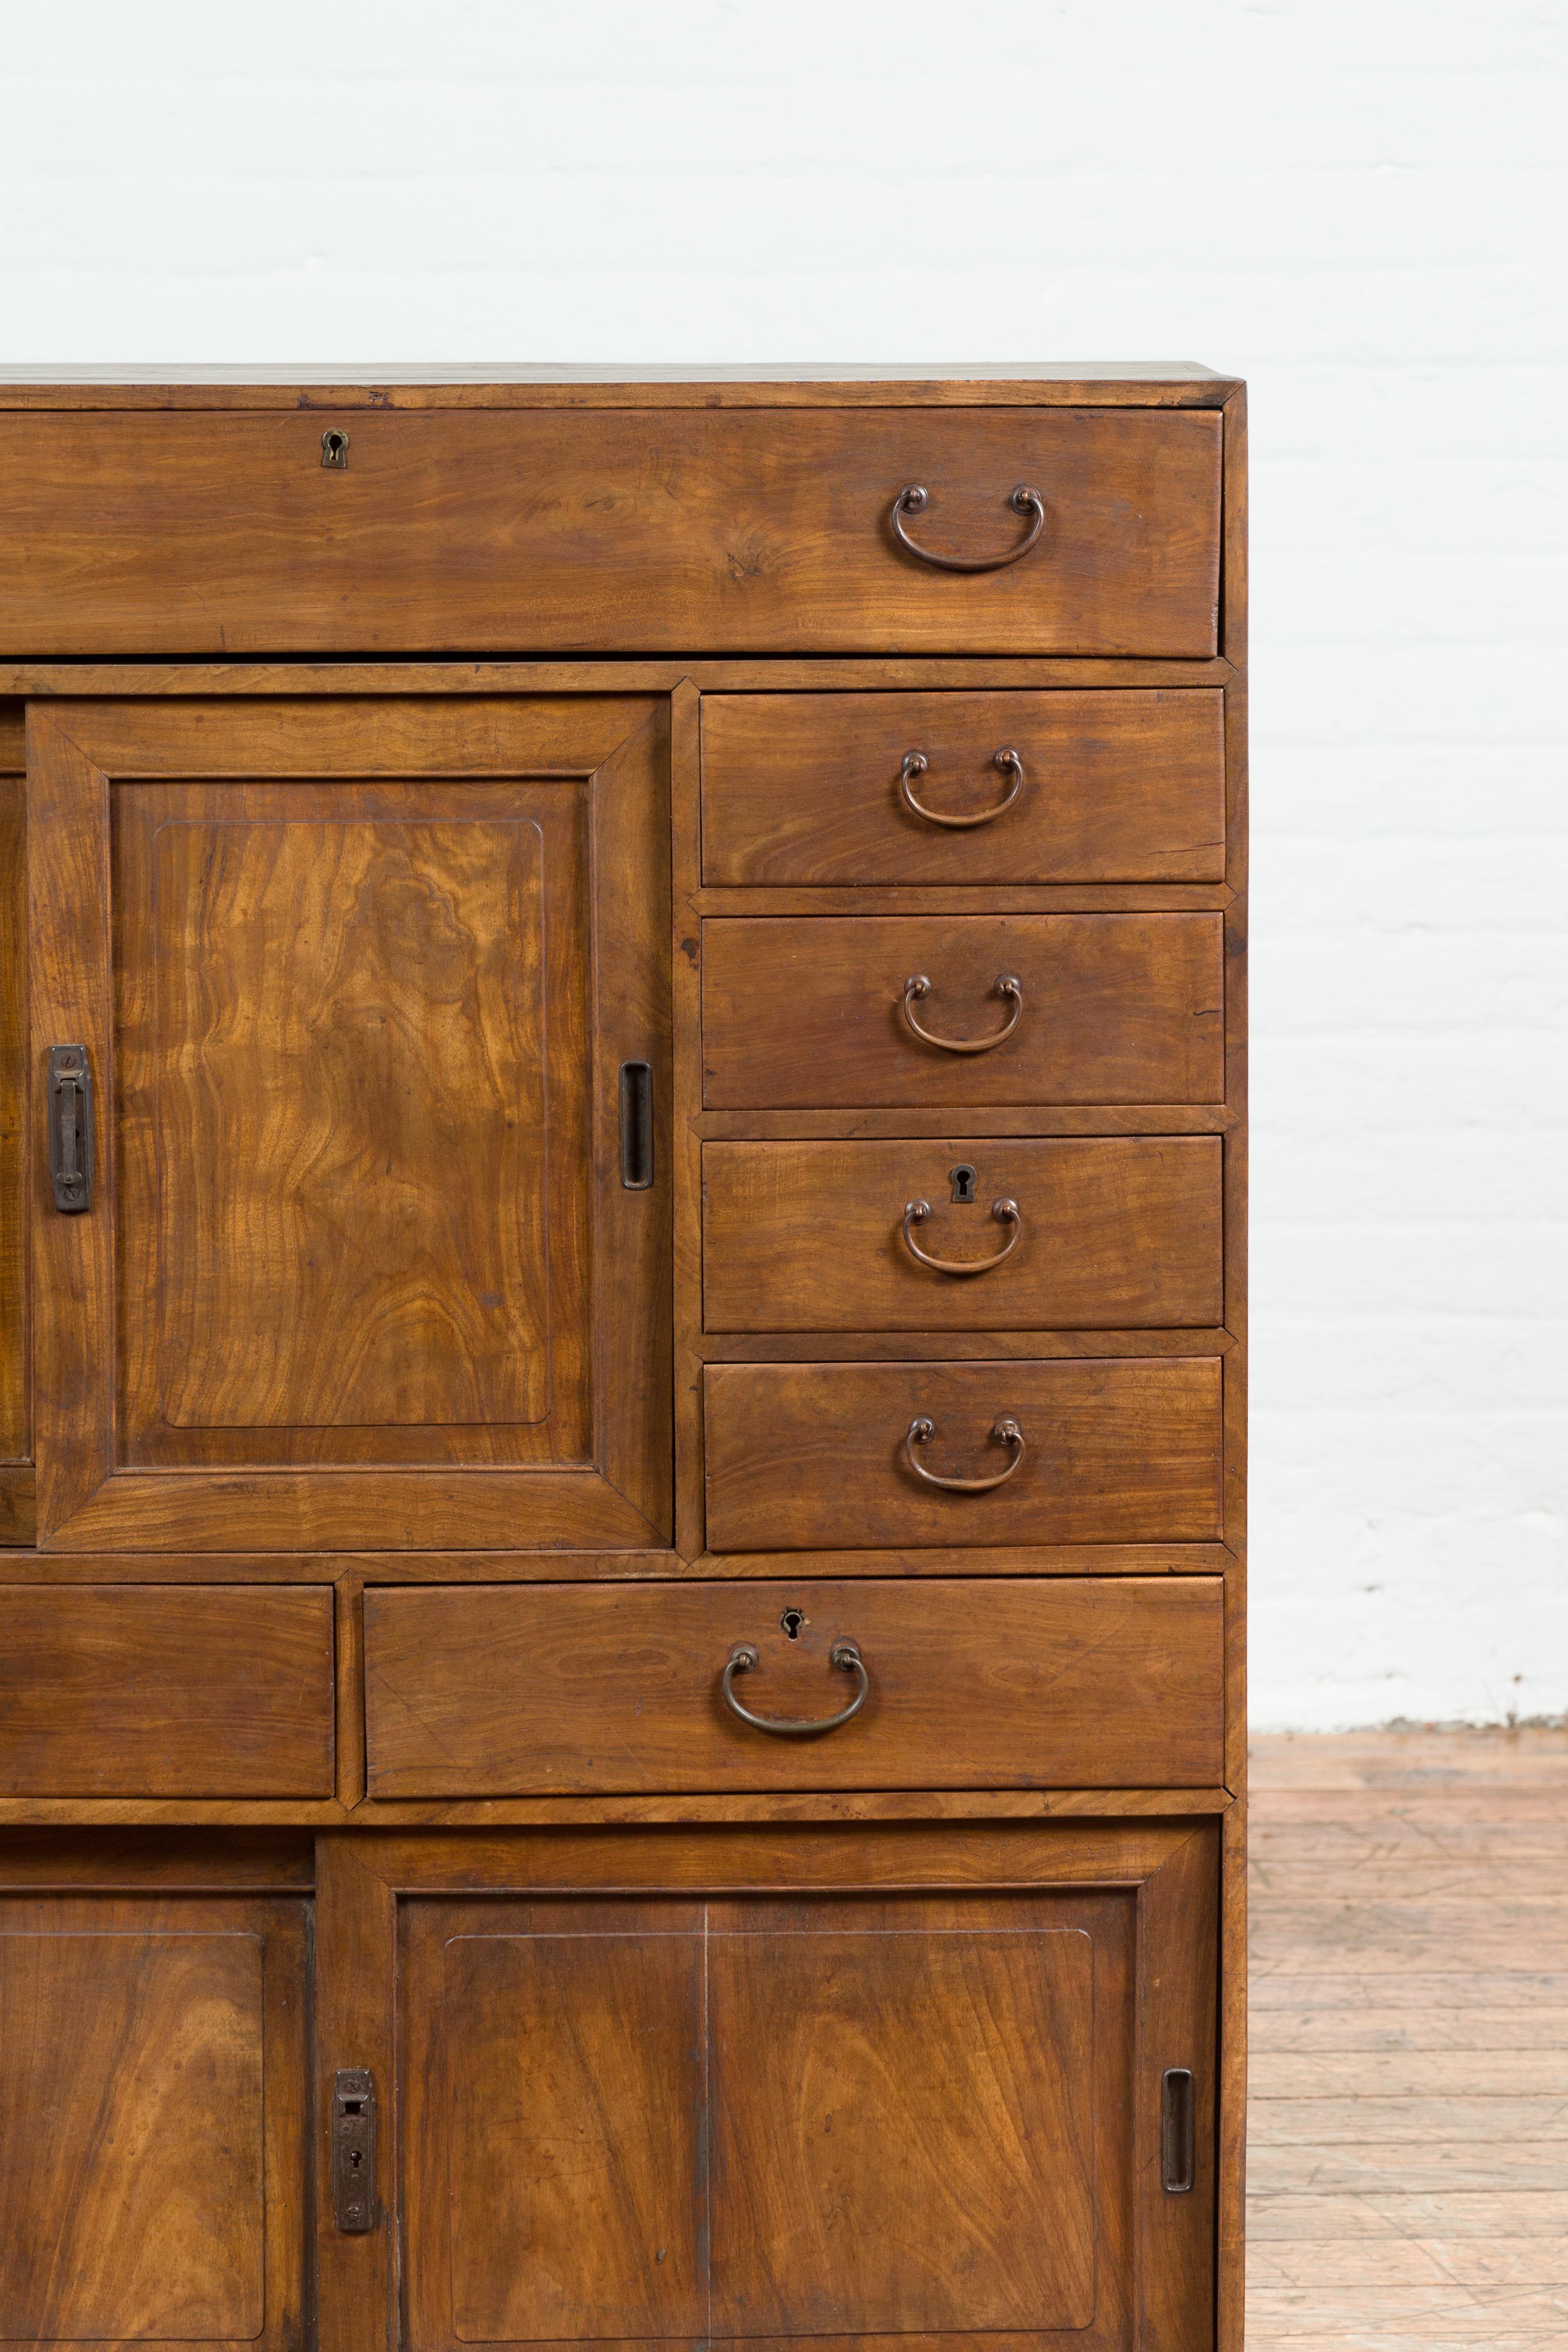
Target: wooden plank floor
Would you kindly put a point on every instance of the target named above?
(1407, 2123)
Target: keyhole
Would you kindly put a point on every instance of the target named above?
(792, 1623)
(335, 449)
(355, 2159)
(963, 1178)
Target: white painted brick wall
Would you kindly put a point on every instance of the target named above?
(1358, 203)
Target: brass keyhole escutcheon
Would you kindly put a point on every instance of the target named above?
(335, 449)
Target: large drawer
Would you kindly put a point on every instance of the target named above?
(1108, 1450)
(1110, 786)
(513, 1690)
(642, 531)
(814, 1012)
(1109, 1232)
(165, 1690)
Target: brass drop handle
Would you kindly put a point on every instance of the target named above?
(914, 500)
(922, 1429)
(916, 763)
(1006, 1213)
(744, 1659)
(1005, 985)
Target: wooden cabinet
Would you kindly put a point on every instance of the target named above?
(621, 1363)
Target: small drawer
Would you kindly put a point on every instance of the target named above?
(1111, 1231)
(165, 1690)
(964, 788)
(1108, 1450)
(817, 1012)
(634, 528)
(518, 1690)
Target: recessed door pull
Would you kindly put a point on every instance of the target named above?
(1177, 2143)
(636, 1126)
(354, 2149)
(70, 1129)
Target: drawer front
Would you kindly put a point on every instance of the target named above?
(515, 1690)
(814, 1013)
(662, 532)
(1105, 787)
(1109, 1232)
(1114, 1450)
(165, 1690)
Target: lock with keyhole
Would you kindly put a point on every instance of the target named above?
(963, 1179)
(335, 449)
(353, 2143)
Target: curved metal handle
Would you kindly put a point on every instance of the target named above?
(916, 763)
(1006, 984)
(845, 1656)
(913, 499)
(1006, 1213)
(922, 1431)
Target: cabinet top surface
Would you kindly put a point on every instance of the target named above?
(1126, 382)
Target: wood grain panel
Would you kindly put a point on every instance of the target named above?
(355, 1126)
(165, 1691)
(574, 2084)
(611, 530)
(1124, 1233)
(806, 1013)
(151, 2123)
(359, 1001)
(124, 2044)
(1115, 1450)
(519, 1689)
(804, 788)
(933, 2080)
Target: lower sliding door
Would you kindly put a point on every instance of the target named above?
(154, 2133)
(853, 2086)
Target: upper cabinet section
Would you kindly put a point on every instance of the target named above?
(337, 1241)
(1091, 531)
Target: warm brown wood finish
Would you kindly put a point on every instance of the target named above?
(357, 1047)
(1120, 1231)
(1113, 1451)
(14, 1418)
(152, 2119)
(576, 1280)
(1115, 787)
(885, 2112)
(1115, 1008)
(225, 534)
(165, 1691)
(519, 1689)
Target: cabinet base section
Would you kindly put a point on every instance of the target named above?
(775, 2081)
